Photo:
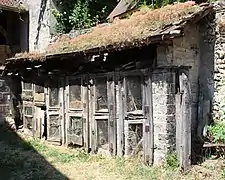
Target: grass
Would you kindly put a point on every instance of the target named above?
(28, 158)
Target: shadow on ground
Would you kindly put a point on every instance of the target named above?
(19, 160)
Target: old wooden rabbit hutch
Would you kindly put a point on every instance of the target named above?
(120, 93)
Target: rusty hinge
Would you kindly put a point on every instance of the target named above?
(146, 109)
(84, 105)
(147, 159)
(147, 129)
(93, 132)
(111, 148)
(111, 107)
(111, 123)
(84, 120)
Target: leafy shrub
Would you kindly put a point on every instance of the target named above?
(217, 132)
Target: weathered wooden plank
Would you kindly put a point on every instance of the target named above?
(126, 135)
(66, 106)
(93, 125)
(186, 121)
(85, 115)
(112, 114)
(120, 116)
(178, 125)
(148, 129)
(62, 111)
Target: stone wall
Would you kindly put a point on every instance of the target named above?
(184, 51)
(219, 60)
(163, 87)
(39, 31)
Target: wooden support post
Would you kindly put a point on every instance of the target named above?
(120, 117)
(93, 123)
(85, 115)
(148, 129)
(111, 91)
(185, 122)
(62, 110)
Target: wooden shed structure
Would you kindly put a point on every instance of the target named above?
(131, 93)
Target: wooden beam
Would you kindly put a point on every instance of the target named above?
(148, 129)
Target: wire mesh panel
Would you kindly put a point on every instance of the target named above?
(28, 117)
(134, 139)
(39, 89)
(75, 130)
(4, 98)
(102, 134)
(28, 122)
(133, 93)
(28, 111)
(101, 93)
(27, 86)
(75, 94)
(5, 110)
(54, 127)
(54, 94)
(3, 86)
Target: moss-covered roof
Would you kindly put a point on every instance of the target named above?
(137, 30)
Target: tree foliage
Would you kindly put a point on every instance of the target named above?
(81, 14)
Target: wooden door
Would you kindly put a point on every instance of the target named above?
(102, 114)
(134, 116)
(55, 114)
(76, 111)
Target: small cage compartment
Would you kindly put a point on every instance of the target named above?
(75, 94)
(54, 126)
(27, 86)
(28, 122)
(75, 130)
(54, 97)
(5, 110)
(4, 98)
(39, 94)
(133, 93)
(39, 89)
(28, 111)
(101, 93)
(102, 134)
(134, 139)
(3, 86)
(27, 95)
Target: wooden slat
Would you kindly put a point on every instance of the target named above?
(62, 111)
(112, 114)
(186, 122)
(119, 117)
(148, 136)
(178, 125)
(85, 116)
(93, 125)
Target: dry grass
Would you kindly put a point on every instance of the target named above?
(138, 26)
(26, 158)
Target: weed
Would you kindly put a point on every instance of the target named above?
(217, 132)
(171, 160)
